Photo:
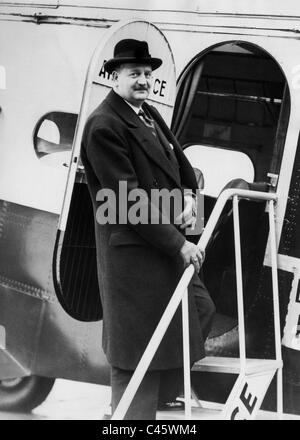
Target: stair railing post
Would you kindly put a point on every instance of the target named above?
(239, 283)
(186, 356)
(273, 251)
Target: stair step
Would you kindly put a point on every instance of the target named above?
(197, 414)
(217, 364)
(211, 414)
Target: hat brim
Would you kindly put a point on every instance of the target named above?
(111, 64)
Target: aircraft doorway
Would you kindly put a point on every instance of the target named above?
(74, 262)
(231, 117)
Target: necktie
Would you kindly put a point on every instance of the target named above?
(147, 121)
(165, 143)
(156, 131)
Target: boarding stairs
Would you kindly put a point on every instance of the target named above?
(253, 375)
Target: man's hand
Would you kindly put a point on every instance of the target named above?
(188, 216)
(192, 254)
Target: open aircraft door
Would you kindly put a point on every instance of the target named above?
(77, 290)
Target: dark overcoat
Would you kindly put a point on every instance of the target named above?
(139, 265)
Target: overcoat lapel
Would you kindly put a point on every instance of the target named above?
(166, 131)
(187, 176)
(142, 134)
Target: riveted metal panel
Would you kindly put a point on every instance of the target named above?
(27, 238)
(36, 335)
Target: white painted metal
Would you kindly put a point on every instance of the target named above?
(230, 365)
(276, 8)
(195, 397)
(287, 263)
(247, 395)
(232, 396)
(239, 283)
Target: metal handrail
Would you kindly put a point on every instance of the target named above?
(177, 297)
(239, 284)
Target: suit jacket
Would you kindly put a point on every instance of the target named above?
(139, 265)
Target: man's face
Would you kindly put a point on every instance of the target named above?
(133, 82)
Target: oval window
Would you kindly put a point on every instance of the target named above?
(53, 138)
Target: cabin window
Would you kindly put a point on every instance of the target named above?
(53, 138)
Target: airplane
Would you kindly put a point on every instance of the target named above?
(230, 93)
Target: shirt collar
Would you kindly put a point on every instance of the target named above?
(135, 109)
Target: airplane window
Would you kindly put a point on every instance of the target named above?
(53, 138)
(2, 78)
(235, 164)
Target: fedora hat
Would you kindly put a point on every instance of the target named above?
(131, 51)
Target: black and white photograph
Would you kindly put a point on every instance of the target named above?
(149, 213)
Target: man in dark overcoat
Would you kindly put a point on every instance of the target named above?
(140, 264)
